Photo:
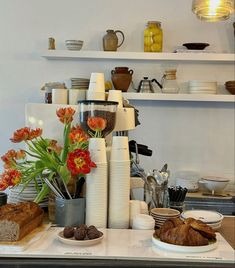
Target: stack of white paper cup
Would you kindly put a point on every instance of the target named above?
(116, 95)
(97, 185)
(96, 90)
(59, 96)
(119, 183)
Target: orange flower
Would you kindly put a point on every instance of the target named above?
(11, 156)
(21, 134)
(79, 161)
(96, 123)
(35, 133)
(3, 184)
(10, 177)
(65, 115)
(54, 147)
(77, 135)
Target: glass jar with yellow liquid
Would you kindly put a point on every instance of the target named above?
(153, 37)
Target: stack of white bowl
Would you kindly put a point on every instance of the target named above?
(160, 215)
(73, 44)
(119, 183)
(211, 218)
(97, 185)
(143, 222)
(96, 90)
(202, 87)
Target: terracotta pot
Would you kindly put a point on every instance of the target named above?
(121, 81)
(122, 70)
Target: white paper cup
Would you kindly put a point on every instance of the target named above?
(96, 87)
(116, 95)
(97, 150)
(76, 95)
(59, 96)
(92, 95)
(135, 209)
(120, 142)
(97, 77)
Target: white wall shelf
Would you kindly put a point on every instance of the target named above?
(83, 54)
(179, 97)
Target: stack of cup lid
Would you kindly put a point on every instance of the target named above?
(212, 218)
(202, 87)
(160, 215)
(143, 222)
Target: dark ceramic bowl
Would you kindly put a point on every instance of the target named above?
(196, 46)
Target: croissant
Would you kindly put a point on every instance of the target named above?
(201, 227)
(183, 235)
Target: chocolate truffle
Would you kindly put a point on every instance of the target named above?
(68, 232)
(93, 233)
(80, 233)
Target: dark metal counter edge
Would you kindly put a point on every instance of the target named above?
(62, 263)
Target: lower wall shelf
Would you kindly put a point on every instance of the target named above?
(179, 97)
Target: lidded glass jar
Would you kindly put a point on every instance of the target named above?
(153, 37)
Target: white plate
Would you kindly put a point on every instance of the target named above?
(186, 249)
(74, 242)
(206, 216)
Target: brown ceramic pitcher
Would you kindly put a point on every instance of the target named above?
(121, 78)
(110, 40)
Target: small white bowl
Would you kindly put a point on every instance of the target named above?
(214, 184)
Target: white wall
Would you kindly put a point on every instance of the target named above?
(186, 135)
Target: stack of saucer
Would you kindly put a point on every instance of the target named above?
(119, 183)
(202, 87)
(97, 185)
(80, 83)
(29, 193)
(143, 222)
(74, 44)
(211, 218)
(160, 215)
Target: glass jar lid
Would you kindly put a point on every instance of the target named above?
(158, 23)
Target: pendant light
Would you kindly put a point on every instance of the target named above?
(213, 10)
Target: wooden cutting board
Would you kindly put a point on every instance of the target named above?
(26, 241)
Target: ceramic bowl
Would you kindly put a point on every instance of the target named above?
(214, 184)
(196, 46)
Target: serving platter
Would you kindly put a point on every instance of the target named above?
(185, 249)
(73, 242)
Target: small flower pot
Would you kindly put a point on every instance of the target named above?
(70, 212)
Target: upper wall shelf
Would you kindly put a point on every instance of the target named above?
(83, 54)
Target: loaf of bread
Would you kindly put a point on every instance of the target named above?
(18, 220)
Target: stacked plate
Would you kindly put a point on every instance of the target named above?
(160, 215)
(80, 83)
(230, 86)
(202, 87)
(73, 44)
(211, 218)
(19, 194)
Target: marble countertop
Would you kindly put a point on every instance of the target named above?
(118, 244)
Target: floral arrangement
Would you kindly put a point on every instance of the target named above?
(73, 159)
